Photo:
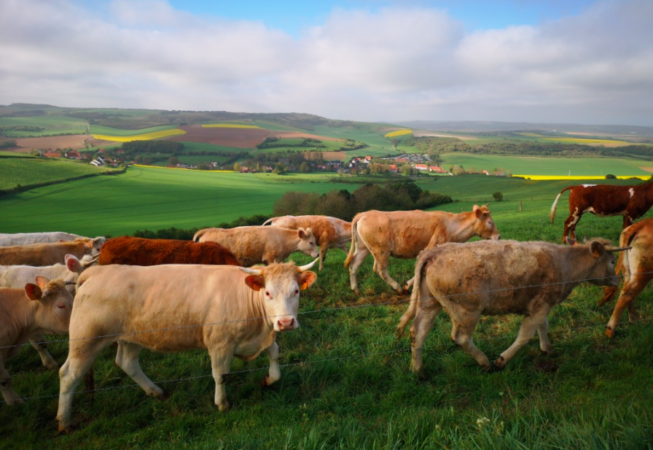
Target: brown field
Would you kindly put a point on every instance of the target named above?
(430, 133)
(328, 156)
(75, 141)
(648, 169)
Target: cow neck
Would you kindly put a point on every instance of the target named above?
(578, 257)
(255, 305)
(460, 227)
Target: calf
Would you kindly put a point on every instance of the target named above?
(254, 245)
(492, 278)
(46, 254)
(603, 200)
(403, 234)
(44, 307)
(329, 232)
(636, 265)
(230, 311)
(7, 240)
(150, 252)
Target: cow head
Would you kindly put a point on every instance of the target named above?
(307, 244)
(279, 285)
(484, 226)
(56, 304)
(601, 271)
(75, 268)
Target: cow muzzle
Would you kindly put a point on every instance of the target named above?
(286, 324)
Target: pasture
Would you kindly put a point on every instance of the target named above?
(52, 125)
(345, 381)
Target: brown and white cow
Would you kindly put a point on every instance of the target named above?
(230, 311)
(136, 251)
(499, 277)
(636, 266)
(403, 234)
(329, 232)
(26, 314)
(7, 240)
(46, 254)
(631, 202)
(258, 244)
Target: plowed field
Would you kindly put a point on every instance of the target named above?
(75, 141)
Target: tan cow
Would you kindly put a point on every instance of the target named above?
(19, 276)
(403, 234)
(257, 244)
(46, 254)
(330, 232)
(26, 313)
(14, 239)
(231, 311)
(499, 277)
(636, 265)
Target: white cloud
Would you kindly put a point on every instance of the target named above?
(394, 64)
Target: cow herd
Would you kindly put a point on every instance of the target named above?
(211, 293)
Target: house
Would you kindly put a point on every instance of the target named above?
(393, 168)
(437, 169)
(52, 155)
(98, 162)
(421, 167)
(72, 154)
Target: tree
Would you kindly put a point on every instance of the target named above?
(610, 177)
(236, 167)
(173, 160)
(498, 196)
(304, 167)
(279, 169)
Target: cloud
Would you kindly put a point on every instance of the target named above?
(394, 63)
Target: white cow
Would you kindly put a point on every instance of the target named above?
(231, 311)
(19, 276)
(7, 240)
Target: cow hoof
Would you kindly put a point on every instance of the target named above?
(357, 292)
(422, 376)
(547, 352)
(609, 332)
(52, 366)
(404, 291)
(224, 407)
(163, 397)
(65, 429)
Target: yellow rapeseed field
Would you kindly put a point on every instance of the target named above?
(579, 177)
(140, 137)
(399, 133)
(227, 125)
(588, 141)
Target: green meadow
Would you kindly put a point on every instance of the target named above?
(110, 131)
(346, 381)
(53, 125)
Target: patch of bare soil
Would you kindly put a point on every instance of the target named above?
(648, 169)
(74, 141)
(334, 156)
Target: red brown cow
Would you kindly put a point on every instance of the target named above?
(636, 265)
(604, 200)
(135, 251)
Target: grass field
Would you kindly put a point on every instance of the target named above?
(109, 131)
(53, 125)
(28, 171)
(354, 388)
(547, 166)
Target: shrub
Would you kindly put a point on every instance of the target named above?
(498, 196)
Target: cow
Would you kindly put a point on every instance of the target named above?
(9, 240)
(631, 202)
(149, 252)
(403, 234)
(258, 244)
(495, 278)
(46, 254)
(230, 311)
(18, 276)
(25, 314)
(636, 266)
(329, 232)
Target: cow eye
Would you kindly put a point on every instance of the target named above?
(296, 291)
(267, 293)
(61, 306)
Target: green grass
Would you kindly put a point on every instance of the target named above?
(53, 125)
(353, 391)
(203, 147)
(28, 171)
(109, 131)
(547, 165)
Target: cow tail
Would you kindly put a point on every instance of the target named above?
(198, 235)
(414, 297)
(552, 214)
(354, 233)
(270, 221)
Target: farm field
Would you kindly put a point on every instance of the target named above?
(110, 131)
(54, 125)
(354, 388)
(28, 171)
(547, 166)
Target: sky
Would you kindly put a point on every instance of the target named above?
(552, 61)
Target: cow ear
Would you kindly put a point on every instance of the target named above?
(255, 282)
(42, 281)
(73, 264)
(571, 241)
(89, 244)
(33, 291)
(301, 233)
(478, 212)
(597, 249)
(306, 279)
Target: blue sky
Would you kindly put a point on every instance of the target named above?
(583, 61)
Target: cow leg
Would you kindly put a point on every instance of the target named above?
(81, 355)
(426, 314)
(323, 251)
(570, 224)
(630, 291)
(127, 360)
(220, 364)
(358, 258)
(543, 330)
(275, 372)
(526, 332)
(381, 268)
(41, 345)
(8, 393)
(461, 335)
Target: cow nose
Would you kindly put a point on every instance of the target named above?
(286, 324)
